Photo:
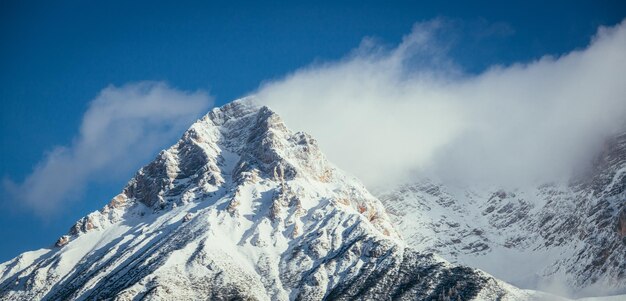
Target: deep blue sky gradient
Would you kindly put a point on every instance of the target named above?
(55, 57)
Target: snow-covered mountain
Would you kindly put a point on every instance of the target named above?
(242, 208)
(567, 237)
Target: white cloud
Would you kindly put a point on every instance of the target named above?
(122, 127)
(386, 114)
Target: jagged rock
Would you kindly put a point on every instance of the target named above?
(63, 240)
(266, 225)
(187, 217)
(583, 219)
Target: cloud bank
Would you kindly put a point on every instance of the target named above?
(122, 127)
(392, 114)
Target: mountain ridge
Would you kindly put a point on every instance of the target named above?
(241, 208)
(568, 234)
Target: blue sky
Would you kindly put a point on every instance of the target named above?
(56, 59)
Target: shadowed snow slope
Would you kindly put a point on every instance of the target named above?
(241, 208)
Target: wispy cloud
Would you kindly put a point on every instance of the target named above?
(389, 114)
(122, 127)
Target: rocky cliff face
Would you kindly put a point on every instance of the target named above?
(241, 208)
(564, 236)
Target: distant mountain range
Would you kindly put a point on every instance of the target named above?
(567, 236)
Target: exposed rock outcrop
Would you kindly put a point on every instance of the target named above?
(241, 208)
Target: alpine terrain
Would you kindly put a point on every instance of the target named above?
(242, 208)
(565, 236)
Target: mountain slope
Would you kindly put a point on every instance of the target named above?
(241, 208)
(567, 237)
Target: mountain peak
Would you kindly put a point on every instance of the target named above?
(199, 162)
(240, 207)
